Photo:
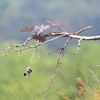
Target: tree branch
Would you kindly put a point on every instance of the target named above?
(30, 43)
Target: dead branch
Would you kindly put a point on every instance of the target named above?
(23, 46)
(59, 62)
(31, 43)
(79, 44)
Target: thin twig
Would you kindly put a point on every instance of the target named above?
(66, 33)
(54, 24)
(28, 39)
(54, 50)
(29, 47)
(33, 55)
(79, 44)
(58, 66)
(60, 47)
(80, 31)
(60, 58)
(66, 42)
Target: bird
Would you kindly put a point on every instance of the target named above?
(28, 71)
(40, 31)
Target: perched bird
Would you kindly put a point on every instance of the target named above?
(28, 71)
(40, 31)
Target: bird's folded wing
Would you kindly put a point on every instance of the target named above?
(31, 29)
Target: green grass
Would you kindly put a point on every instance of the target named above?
(14, 86)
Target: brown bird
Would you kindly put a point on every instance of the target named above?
(40, 31)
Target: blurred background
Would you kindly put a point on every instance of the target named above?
(73, 15)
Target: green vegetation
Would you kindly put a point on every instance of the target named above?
(14, 86)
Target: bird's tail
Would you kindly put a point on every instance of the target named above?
(39, 37)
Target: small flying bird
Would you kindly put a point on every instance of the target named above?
(40, 31)
(28, 71)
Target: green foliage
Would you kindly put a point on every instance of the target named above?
(16, 86)
(85, 92)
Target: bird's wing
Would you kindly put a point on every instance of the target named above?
(52, 26)
(31, 29)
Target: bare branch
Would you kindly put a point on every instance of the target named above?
(30, 43)
(66, 33)
(66, 42)
(80, 31)
(60, 58)
(61, 47)
(54, 24)
(54, 50)
(4, 53)
(23, 44)
(79, 44)
(85, 37)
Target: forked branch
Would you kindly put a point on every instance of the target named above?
(31, 43)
